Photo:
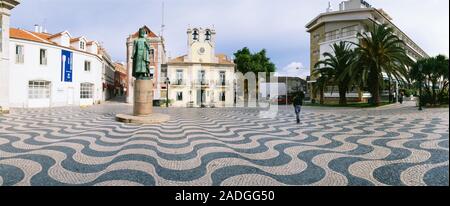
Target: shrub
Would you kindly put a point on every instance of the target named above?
(409, 92)
(444, 97)
(163, 102)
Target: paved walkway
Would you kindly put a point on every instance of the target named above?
(393, 145)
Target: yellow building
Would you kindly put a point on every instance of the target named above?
(201, 78)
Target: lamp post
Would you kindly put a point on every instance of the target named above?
(167, 82)
(420, 88)
(287, 91)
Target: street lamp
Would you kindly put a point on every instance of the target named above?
(167, 82)
(420, 88)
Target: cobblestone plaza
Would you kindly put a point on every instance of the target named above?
(391, 145)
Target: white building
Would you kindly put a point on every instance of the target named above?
(343, 24)
(39, 69)
(5, 12)
(108, 75)
(201, 77)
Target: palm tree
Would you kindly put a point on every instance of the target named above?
(379, 52)
(335, 66)
(320, 85)
(325, 77)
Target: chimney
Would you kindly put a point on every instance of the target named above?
(41, 29)
(36, 28)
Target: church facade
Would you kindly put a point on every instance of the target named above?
(201, 78)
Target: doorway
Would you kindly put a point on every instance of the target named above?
(201, 97)
(70, 96)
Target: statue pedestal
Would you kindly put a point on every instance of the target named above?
(143, 97)
(143, 106)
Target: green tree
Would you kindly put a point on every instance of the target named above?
(433, 73)
(246, 61)
(334, 67)
(379, 52)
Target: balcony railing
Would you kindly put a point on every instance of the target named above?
(178, 82)
(222, 83)
(19, 58)
(340, 35)
(202, 82)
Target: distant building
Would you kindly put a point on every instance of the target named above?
(343, 25)
(201, 77)
(39, 69)
(157, 57)
(289, 86)
(120, 80)
(107, 74)
(48, 70)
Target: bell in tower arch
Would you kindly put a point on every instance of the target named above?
(195, 35)
(208, 35)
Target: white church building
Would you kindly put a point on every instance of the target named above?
(39, 69)
(201, 78)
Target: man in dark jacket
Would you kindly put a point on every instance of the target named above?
(298, 102)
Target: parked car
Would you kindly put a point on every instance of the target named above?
(281, 100)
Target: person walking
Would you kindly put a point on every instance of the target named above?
(400, 97)
(298, 103)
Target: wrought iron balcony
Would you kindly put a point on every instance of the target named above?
(178, 82)
(222, 83)
(202, 82)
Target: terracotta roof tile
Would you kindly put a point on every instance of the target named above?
(44, 38)
(223, 59)
(76, 39)
(24, 35)
(179, 59)
(56, 35)
(120, 68)
(149, 33)
(42, 35)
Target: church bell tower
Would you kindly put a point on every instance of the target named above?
(201, 45)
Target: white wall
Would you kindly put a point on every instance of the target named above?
(61, 92)
(63, 40)
(190, 76)
(4, 60)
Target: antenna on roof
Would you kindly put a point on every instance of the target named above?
(163, 26)
(330, 8)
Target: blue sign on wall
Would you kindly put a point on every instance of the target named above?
(66, 66)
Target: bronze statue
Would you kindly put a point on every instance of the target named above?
(141, 57)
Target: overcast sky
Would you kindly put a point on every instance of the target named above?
(276, 25)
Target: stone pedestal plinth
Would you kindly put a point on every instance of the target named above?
(143, 97)
(143, 106)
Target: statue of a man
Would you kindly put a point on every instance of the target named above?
(141, 57)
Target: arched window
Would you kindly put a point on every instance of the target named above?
(152, 55)
(208, 35)
(86, 91)
(39, 89)
(195, 34)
